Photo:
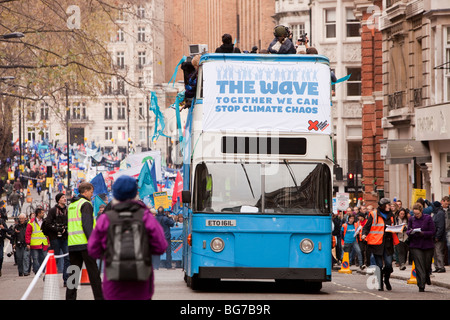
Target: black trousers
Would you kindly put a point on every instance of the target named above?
(77, 258)
(422, 260)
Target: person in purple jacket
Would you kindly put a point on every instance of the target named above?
(125, 198)
(421, 232)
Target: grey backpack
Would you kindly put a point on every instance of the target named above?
(128, 256)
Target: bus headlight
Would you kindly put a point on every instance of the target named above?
(306, 245)
(217, 244)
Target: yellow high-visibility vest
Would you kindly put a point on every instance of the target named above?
(37, 236)
(74, 225)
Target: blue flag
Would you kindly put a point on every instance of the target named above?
(97, 202)
(99, 185)
(147, 181)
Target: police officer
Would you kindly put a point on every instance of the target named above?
(81, 222)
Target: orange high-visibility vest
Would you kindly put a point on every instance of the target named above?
(376, 233)
(345, 225)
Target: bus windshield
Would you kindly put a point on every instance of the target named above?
(275, 188)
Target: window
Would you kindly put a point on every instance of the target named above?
(76, 111)
(108, 133)
(330, 23)
(44, 111)
(108, 87)
(354, 83)
(142, 133)
(447, 65)
(120, 35)
(108, 111)
(141, 34)
(297, 31)
(297, 188)
(121, 107)
(141, 12)
(141, 59)
(141, 111)
(120, 59)
(140, 82)
(353, 24)
(121, 133)
(120, 86)
(31, 134)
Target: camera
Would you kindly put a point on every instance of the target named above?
(303, 39)
(60, 228)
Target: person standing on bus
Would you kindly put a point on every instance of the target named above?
(379, 242)
(281, 43)
(227, 45)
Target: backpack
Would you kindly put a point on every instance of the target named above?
(128, 256)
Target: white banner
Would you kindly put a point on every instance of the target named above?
(267, 96)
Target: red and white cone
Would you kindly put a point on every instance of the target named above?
(51, 283)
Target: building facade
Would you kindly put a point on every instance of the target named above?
(416, 64)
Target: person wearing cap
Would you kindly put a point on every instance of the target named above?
(55, 227)
(281, 43)
(125, 191)
(81, 223)
(380, 243)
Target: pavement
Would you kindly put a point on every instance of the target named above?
(437, 279)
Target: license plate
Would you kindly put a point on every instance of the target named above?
(221, 223)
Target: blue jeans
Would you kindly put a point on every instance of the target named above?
(349, 247)
(60, 246)
(23, 260)
(16, 210)
(387, 262)
(38, 256)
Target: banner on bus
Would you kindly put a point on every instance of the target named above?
(269, 96)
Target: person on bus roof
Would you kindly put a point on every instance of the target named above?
(227, 45)
(281, 43)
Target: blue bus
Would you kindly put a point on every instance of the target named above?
(258, 171)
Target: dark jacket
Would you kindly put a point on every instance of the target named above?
(439, 223)
(388, 241)
(19, 234)
(424, 239)
(228, 48)
(286, 48)
(55, 222)
(166, 223)
(87, 221)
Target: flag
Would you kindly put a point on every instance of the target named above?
(97, 203)
(147, 181)
(99, 185)
(178, 187)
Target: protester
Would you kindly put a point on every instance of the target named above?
(8, 188)
(362, 220)
(56, 230)
(20, 246)
(402, 246)
(445, 206)
(381, 243)
(81, 222)
(438, 216)
(124, 192)
(349, 231)
(36, 240)
(227, 45)
(421, 232)
(166, 223)
(3, 233)
(14, 200)
(281, 43)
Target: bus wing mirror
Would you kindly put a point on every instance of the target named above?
(186, 196)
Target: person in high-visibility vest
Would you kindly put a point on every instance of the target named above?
(379, 242)
(81, 223)
(35, 239)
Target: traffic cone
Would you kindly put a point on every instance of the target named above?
(84, 276)
(412, 279)
(345, 268)
(51, 285)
